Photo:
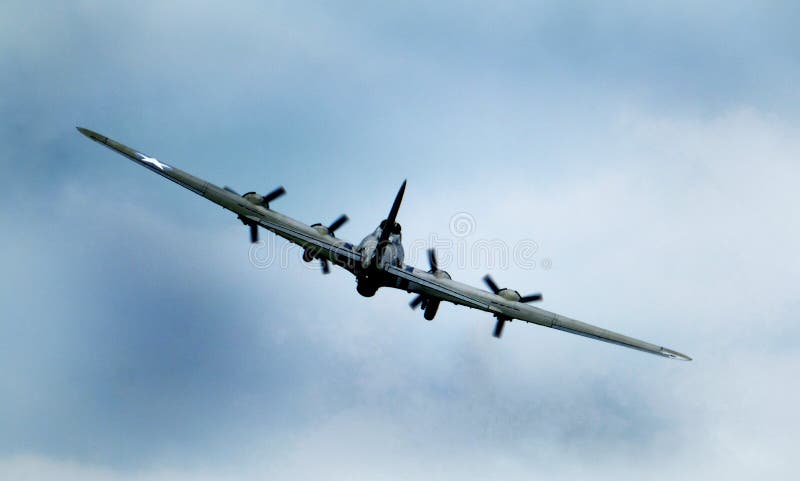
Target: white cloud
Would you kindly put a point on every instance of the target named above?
(40, 468)
(678, 228)
(393, 397)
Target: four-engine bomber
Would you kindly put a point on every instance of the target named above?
(378, 260)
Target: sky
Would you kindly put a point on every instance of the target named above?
(638, 164)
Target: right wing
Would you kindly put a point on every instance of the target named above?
(338, 251)
(427, 284)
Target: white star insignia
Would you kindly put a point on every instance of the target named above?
(154, 162)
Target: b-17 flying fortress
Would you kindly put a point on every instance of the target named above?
(377, 261)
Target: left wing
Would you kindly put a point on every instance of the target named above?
(324, 246)
(443, 288)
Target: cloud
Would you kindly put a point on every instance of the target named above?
(236, 374)
(650, 164)
(38, 467)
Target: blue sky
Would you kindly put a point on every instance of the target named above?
(649, 151)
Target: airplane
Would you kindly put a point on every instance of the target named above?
(378, 260)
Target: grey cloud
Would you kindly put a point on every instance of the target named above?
(138, 341)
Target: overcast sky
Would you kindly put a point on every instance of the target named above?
(651, 154)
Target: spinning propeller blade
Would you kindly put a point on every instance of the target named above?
(337, 223)
(272, 196)
(253, 233)
(432, 260)
(531, 298)
(390, 221)
(489, 282)
(498, 328)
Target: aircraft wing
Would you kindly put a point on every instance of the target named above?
(445, 289)
(328, 247)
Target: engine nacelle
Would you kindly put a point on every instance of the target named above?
(254, 198)
(509, 294)
(323, 230)
(440, 274)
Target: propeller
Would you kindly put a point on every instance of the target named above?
(390, 221)
(253, 232)
(257, 199)
(432, 261)
(415, 302)
(493, 287)
(272, 196)
(253, 228)
(498, 328)
(490, 282)
(331, 230)
(338, 223)
(531, 298)
(509, 295)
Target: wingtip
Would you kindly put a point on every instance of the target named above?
(89, 133)
(674, 354)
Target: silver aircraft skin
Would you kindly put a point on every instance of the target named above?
(378, 260)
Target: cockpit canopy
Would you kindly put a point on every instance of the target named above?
(395, 230)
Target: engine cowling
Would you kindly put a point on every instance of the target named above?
(254, 198)
(440, 274)
(323, 230)
(509, 294)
